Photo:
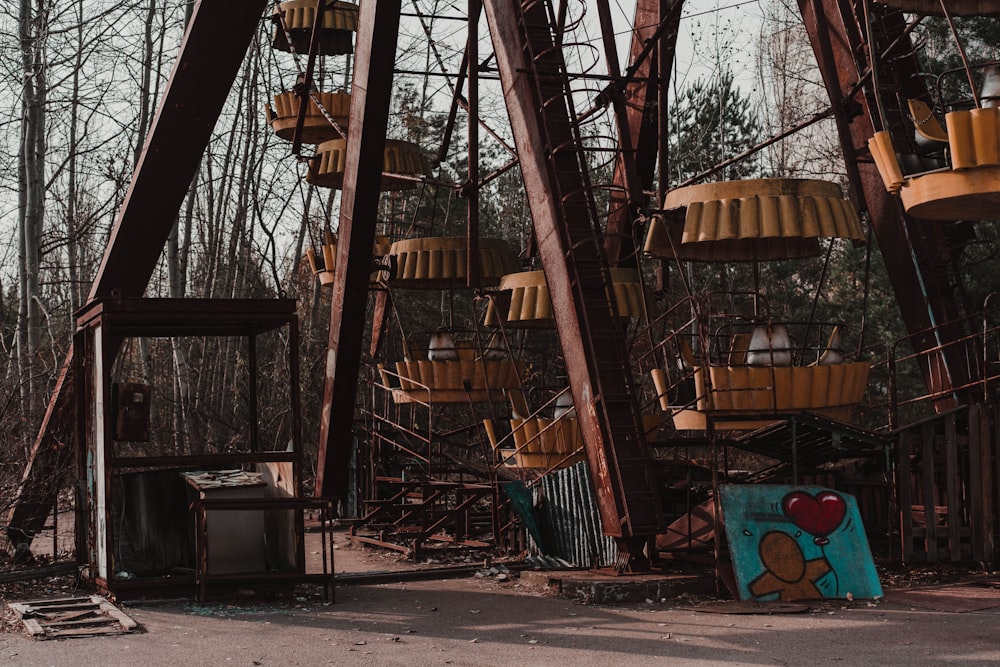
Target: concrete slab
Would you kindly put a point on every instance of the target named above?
(955, 598)
(480, 622)
(598, 588)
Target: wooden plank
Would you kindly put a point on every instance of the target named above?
(904, 495)
(50, 605)
(953, 485)
(38, 572)
(114, 612)
(927, 437)
(380, 543)
(84, 632)
(60, 617)
(49, 601)
(976, 508)
(50, 609)
(34, 627)
(102, 621)
(80, 615)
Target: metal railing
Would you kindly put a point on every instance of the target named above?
(979, 350)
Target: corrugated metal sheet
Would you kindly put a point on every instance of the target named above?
(567, 509)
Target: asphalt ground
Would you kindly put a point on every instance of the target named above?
(482, 621)
(505, 620)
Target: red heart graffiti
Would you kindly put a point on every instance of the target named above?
(819, 516)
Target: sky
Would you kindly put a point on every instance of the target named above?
(713, 31)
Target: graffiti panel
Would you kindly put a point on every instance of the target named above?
(797, 543)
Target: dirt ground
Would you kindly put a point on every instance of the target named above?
(488, 619)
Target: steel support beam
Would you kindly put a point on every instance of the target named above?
(630, 197)
(909, 247)
(564, 214)
(214, 45)
(210, 56)
(471, 189)
(371, 92)
(640, 122)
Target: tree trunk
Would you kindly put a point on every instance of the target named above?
(31, 200)
(72, 245)
(292, 278)
(178, 247)
(146, 84)
(176, 277)
(145, 104)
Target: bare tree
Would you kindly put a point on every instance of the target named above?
(31, 194)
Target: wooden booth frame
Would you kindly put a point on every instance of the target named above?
(102, 327)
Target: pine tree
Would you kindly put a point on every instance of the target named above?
(712, 121)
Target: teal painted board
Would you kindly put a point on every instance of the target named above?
(521, 502)
(797, 543)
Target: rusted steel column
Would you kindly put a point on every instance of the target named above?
(909, 247)
(627, 202)
(210, 56)
(304, 86)
(371, 92)
(570, 246)
(638, 116)
(471, 189)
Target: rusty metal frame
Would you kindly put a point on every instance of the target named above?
(639, 114)
(304, 87)
(378, 29)
(118, 319)
(973, 347)
(565, 225)
(626, 173)
(219, 32)
(393, 513)
(925, 299)
(210, 57)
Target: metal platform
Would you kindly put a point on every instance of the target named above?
(807, 441)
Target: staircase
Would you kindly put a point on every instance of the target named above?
(415, 512)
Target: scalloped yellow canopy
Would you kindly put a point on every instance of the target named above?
(530, 305)
(761, 219)
(401, 157)
(441, 262)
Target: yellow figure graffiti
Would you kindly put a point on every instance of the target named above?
(786, 570)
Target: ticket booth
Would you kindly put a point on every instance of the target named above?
(173, 495)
